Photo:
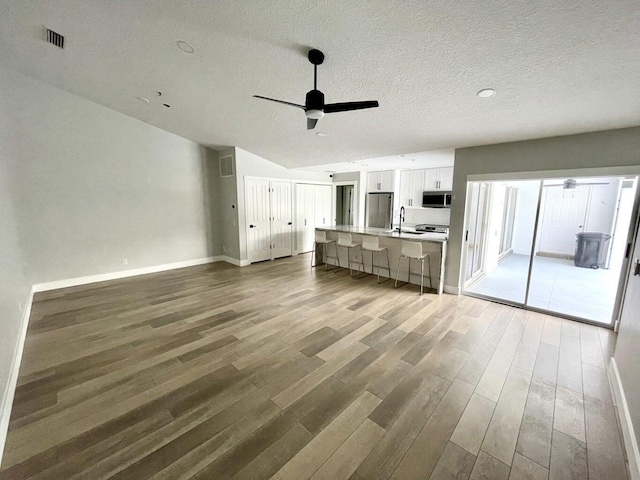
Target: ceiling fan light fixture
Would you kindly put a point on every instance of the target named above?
(314, 114)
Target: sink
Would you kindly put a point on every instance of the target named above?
(414, 233)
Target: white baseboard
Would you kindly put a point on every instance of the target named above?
(74, 282)
(10, 390)
(234, 261)
(452, 290)
(628, 433)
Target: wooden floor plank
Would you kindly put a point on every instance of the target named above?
(487, 467)
(424, 453)
(502, 434)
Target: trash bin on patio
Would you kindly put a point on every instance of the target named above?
(590, 249)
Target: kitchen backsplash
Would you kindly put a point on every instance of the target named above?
(435, 216)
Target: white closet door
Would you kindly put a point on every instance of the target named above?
(322, 205)
(305, 220)
(258, 222)
(282, 219)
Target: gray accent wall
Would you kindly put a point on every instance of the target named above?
(14, 286)
(611, 148)
(228, 207)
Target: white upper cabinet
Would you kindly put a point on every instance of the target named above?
(380, 181)
(446, 179)
(411, 188)
(438, 179)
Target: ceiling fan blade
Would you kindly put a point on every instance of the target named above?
(346, 106)
(593, 183)
(311, 123)
(280, 101)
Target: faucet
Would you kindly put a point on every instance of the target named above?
(401, 220)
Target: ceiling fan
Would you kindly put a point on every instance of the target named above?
(314, 106)
(571, 183)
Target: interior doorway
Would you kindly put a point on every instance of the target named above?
(553, 245)
(344, 205)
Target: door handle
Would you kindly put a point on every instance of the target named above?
(252, 226)
(305, 221)
(289, 223)
(636, 267)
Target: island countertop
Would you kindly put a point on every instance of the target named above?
(408, 233)
(434, 245)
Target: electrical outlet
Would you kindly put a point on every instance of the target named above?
(125, 261)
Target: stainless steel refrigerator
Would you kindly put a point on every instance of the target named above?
(380, 210)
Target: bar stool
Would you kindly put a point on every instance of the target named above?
(372, 244)
(345, 240)
(413, 251)
(321, 239)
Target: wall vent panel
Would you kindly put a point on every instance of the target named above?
(54, 38)
(226, 166)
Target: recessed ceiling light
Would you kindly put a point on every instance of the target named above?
(143, 100)
(185, 47)
(321, 134)
(486, 93)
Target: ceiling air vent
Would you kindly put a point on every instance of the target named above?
(54, 38)
(226, 166)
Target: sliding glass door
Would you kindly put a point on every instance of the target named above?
(475, 235)
(509, 219)
(555, 245)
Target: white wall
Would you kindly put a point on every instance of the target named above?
(525, 221)
(250, 165)
(93, 187)
(603, 202)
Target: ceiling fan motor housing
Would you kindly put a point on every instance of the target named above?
(315, 100)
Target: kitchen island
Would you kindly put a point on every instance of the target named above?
(435, 244)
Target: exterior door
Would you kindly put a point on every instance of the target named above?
(564, 216)
(258, 220)
(305, 220)
(281, 219)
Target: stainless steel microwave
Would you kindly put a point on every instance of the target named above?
(436, 199)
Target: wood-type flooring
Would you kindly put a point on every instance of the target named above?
(280, 371)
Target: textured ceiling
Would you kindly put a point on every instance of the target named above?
(559, 67)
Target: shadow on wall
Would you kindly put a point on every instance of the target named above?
(210, 167)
